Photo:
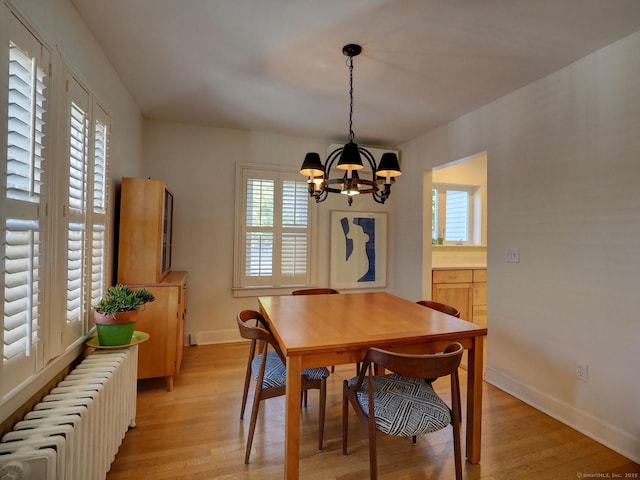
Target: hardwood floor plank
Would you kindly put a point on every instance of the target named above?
(195, 433)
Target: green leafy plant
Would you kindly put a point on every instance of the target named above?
(121, 298)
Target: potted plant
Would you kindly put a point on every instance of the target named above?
(116, 314)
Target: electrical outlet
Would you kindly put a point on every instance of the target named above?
(582, 372)
(513, 255)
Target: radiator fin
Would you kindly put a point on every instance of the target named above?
(75, 431)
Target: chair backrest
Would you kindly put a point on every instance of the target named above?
(258, 331)
(441, 307)
(314, 291)
(432, 365)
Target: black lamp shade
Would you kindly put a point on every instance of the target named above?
(350, 158)
(389, 166)
(312, 166)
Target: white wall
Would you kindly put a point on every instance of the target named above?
(198, 163)
(563, 187)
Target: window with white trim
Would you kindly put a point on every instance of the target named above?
(24, 200)
(86, 207)
(272, 228)
(53, 207)
(453, 214)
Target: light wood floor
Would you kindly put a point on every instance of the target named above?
(194, 432)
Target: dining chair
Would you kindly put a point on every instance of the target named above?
(402, 403)
(441, 307)
(314, 291)
(269, 371)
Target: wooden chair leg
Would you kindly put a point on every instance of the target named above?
(245, 393)
(247, 377)
(252, 424)
(321, 409)
(373, 462)
(457, 452)
(345, 418)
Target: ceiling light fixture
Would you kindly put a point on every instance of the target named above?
(349, 159)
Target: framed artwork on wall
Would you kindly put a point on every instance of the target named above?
(358, 250)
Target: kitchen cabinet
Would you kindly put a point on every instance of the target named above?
(463, 288)
(479, 302)
(144, 261)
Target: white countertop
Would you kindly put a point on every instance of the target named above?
(459, 266)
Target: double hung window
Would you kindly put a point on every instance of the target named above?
(54, 204)
(272, 228)
(452, 214)
(24, 191)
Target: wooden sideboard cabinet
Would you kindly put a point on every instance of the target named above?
(163, 319)
(144, 261)
(146, 226)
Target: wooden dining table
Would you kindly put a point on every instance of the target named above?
(321, 330)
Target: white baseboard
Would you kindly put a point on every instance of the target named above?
(625, 443)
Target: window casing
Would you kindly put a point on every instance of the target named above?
(273, 241)
(453, 214)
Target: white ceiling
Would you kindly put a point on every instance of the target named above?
(277, 65)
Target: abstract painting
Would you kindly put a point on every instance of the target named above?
(358, 250)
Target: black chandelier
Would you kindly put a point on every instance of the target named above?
(349, 159)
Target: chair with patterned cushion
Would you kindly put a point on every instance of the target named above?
(402, 403)
(269, 371)
(441, 307)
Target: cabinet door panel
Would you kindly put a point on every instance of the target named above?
(479, 293)
(157, 356)
(458, 295)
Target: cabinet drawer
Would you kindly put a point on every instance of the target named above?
(480, 275)
(452, 276)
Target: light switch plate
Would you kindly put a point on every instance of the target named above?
(513, 255)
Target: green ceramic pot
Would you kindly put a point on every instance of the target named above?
(115, 330)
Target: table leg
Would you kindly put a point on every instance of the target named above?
(292, 419)
(474, 399)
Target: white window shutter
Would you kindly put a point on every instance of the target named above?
(275, 229)
(100, 198)
(23, 209)
(295, 242)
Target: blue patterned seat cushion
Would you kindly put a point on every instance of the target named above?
(404, 406)
(275, 372)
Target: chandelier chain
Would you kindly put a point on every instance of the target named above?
(351, 134)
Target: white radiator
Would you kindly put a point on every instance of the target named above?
(74, 433)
